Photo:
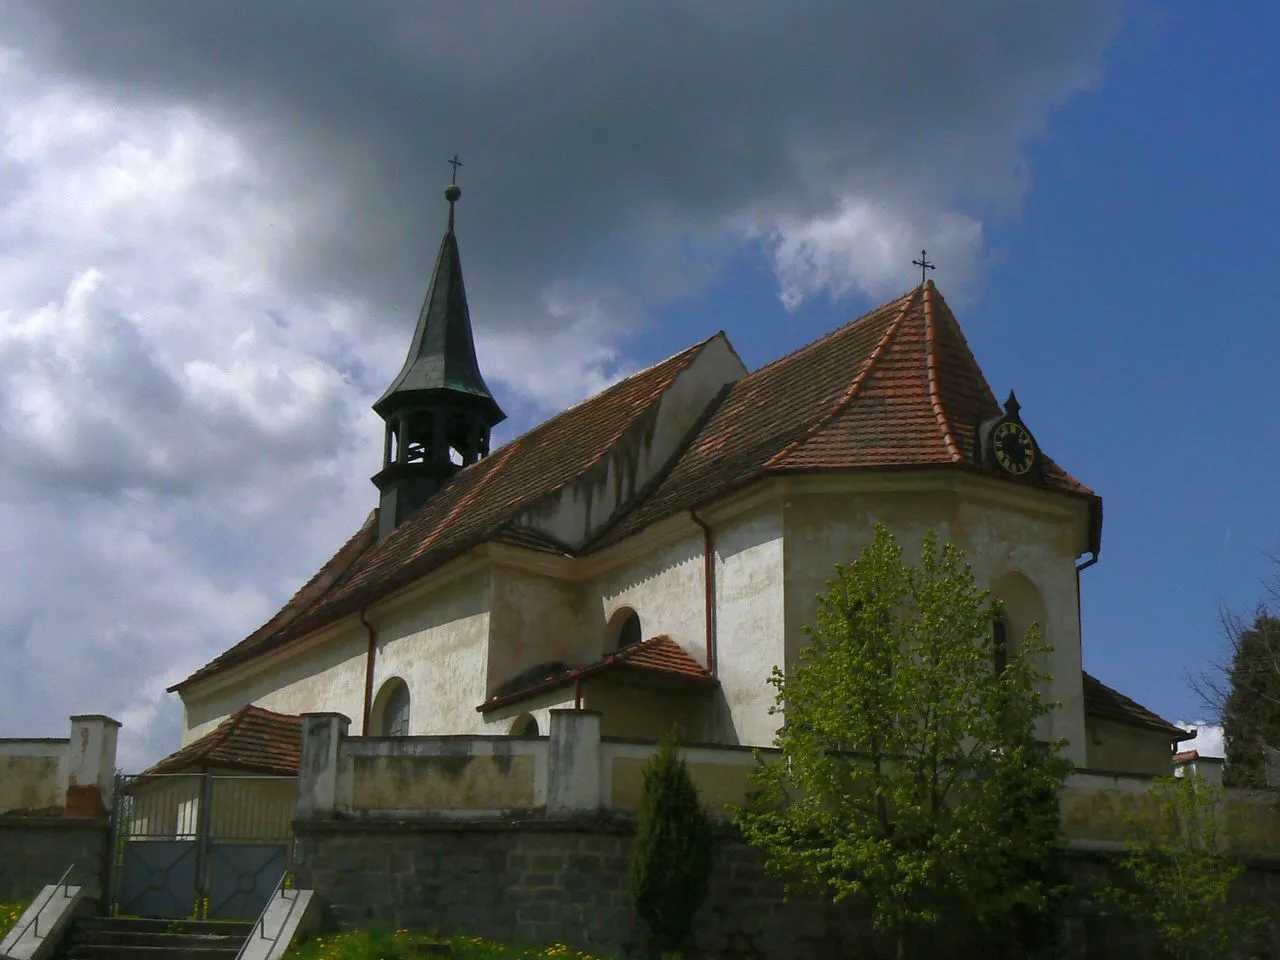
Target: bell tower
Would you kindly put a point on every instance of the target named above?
(438, 410)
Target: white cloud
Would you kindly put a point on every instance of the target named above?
(1208, 739)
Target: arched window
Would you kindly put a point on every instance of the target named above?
(395, 708)
(525, 727)
(629, 629)
(1000, 643)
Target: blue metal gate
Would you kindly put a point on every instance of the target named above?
(200, 845)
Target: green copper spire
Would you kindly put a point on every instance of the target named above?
(438, 410)
(442, 354)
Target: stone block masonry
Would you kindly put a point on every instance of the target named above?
(541, 881)
(35, 851)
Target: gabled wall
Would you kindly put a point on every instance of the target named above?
(1021, 544)
(579, 511)
(537, 618)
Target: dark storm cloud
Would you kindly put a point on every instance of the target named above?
(593, 134)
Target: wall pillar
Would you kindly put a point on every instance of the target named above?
(91, 766)
(573, 763)
(322, 734)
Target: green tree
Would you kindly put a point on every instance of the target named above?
(909, 774)
(1242, 689)
(1176, 873)
(671, 853)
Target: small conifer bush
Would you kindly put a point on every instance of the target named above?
(671, 854)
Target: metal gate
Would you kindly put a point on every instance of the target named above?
(200, 845)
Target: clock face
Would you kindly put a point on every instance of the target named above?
(1014, 449)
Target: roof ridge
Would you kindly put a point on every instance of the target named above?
(805, 347)
(689, 350)
(854, 388)
(931, 365)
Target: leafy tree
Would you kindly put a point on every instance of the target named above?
(671, 853)
(909, 773)
(1243, 689)
(1176, 873)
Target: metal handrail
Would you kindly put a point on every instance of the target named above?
(35, 921)
(259, 925)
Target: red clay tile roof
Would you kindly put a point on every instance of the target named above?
(897, 388)
(1104, 703)
(251, 739)
(1188, 755)
(472, 508)
(658, 656)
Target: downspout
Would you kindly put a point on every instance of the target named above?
(577, 692)
(1083, 566)
(368, 675)
(709, 579)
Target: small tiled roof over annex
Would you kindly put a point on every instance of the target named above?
(479, 504)
(897, 388)
(251, 739)
(656, 657)
(1104, 703)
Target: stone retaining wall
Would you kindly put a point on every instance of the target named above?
(35, 851)
(539, 882)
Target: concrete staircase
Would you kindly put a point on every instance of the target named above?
(121, 938)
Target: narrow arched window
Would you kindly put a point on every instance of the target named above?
(629, 632)
(395, 710)
(1000, 644)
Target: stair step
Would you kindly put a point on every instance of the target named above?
(83, 951)
(136, 938)
(230, 928)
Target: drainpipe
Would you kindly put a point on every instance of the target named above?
(709, 579)
(577, 692)
(1093, 558)
(368, 674)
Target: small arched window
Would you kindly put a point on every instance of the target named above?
(1000, 643)
(395, 709)
(629, 631)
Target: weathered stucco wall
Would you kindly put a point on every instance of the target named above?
(664, 588)
(750, 620)
(721, 775)
(399, 776)
(328, 675)
(1020, 544)
(439, 647)
(1127, 749)
(536, 618)
(33, 773)
(648, 713)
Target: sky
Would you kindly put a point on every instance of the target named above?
(217, 223)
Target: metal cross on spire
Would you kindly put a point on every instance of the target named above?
(924, 264)
(452, 192)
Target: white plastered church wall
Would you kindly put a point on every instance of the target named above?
(1021, 537)
(438, 644)
(323, 672)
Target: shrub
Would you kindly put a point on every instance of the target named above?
(671, 854)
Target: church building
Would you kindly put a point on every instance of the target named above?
(653, 552)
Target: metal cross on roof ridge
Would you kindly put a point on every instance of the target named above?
(455, 163)
(924, 264)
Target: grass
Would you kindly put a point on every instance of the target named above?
(9, 914)
(406, 945)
